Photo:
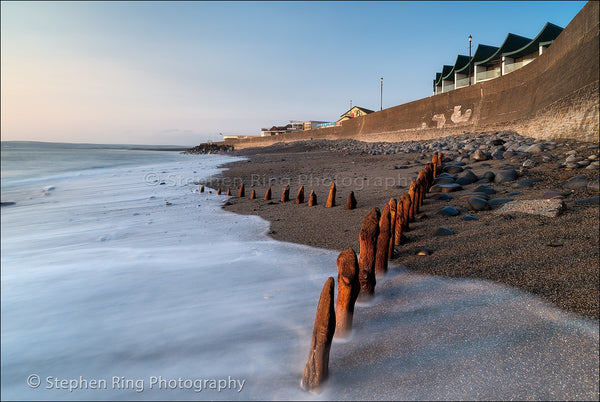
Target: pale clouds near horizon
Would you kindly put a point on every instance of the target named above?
(183, 72)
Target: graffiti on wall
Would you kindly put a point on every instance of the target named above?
(457, 117)
(440, 120)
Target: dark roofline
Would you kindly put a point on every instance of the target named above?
(461, 61)
(367, 111)
(548, 33)
(481, 53)
(446, 69)
(511, 43)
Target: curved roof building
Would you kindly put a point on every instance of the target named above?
(490, 62)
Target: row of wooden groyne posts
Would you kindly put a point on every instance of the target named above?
(285, 196)
(379, 233)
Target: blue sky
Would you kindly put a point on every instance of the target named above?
(183, 72)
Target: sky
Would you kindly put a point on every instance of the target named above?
(184, 72)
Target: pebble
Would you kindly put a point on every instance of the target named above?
(453, 169)
(478, 204)
(576, 183)
(572, 165)
(447, 211)
(594, 186)
(529, 163)
(552, 194)
(505, 176)
(441, 197)
(535, 148)
(442, 231)
(463, 181)
(479, 155)
(469, 217)
(592, 200)
(485, 189)
(498, 202)
(550, 208)
(573, 158)
(424, 251)
(443, 180)
(448, 188)
(489, 175)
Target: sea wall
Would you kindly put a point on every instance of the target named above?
(555, 96)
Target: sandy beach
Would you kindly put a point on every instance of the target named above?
(555, 258)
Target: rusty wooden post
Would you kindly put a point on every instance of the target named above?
(202, 189)
(383, 243)
(331, 198)
(406, 206)
(351, 203)
(253, 194)
(399, 222)
(411, 194)
(348, 289)
(242, 192)
(300, 195)
(228, 191)
(429, 175)
(316, 370)
(268, 194)
(312, 198)
(285, 196)
(219, 191)
(393, 208)
(368, 247)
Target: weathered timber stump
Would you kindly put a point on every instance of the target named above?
(300, 195)
(242, 192)
(219, 191)
(316, 370)
(348, 289)
(331, 199)
(383, 243)
(253, 194)
(285, 196)
(368, 247)
(268, 194)
(351, 203)
(399, 227)
(312, 198)
(406, 206)
(393, 207)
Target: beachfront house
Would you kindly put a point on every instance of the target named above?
(355, 111)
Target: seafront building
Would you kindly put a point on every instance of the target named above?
(489, 62)
(294, 125)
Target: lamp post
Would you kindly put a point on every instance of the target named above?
(470, 39)
(381, 100)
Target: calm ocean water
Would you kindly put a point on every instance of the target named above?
(149, 288)
(121, 281)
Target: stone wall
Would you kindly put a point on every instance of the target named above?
(555, 96)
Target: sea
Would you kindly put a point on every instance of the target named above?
(120, 280)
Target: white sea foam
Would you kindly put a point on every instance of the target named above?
(116, 277)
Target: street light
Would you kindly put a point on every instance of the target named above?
(381, 105)
(470, 39)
